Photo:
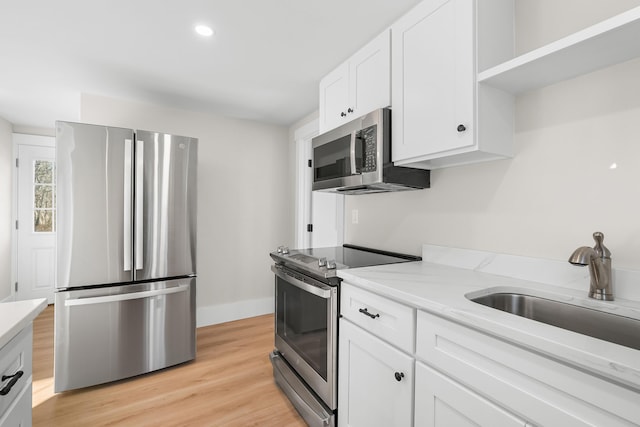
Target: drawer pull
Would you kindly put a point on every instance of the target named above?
(366, 313)
(399, 376)
(14, 379)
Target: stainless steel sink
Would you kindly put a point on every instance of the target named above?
(583, 320)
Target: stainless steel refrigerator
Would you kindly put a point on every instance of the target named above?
(125, 253)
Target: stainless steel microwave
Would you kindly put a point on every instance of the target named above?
(355, 158)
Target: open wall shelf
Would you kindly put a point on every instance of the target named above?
(609, 42)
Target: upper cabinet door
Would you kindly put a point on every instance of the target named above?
(370, 76)
(94, 196)
(358, 86)
(334, 98)
(433, 79)
(165, 213)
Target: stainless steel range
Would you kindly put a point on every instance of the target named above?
(306, 324)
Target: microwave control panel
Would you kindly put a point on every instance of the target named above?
(368, 137)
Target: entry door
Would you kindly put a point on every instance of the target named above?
(36, 217)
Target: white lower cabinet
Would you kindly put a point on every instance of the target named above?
(375, 383)
(539, 389)
(399, 366)
(15, 369)
(442, 402)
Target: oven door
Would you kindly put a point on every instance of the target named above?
(306, 329)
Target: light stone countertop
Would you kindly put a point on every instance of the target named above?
(15, 316)
(439, 283)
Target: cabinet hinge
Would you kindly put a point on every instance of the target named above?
(16, 287)
(16, 224)
(309, 162)
(17, 162)
(310, 228)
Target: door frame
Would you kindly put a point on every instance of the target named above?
(303, 208)
(18, 139)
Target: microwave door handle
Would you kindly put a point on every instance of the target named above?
(353, 154)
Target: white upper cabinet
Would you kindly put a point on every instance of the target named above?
(440, 116)
(334, 98)
(358, 86)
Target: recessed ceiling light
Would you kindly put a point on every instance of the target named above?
(204, 30)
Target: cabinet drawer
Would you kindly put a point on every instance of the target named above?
(389, 320)
(15, 356)
(536, 388)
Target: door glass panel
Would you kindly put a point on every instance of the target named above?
(332, 160)
(301, 320)
(44, 198)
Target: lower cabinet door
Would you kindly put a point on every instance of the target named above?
(375, 381)
(19, 413)
(442, 402)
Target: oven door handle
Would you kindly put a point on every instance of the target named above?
(319, 289)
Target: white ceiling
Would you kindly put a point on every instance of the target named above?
(264, 62)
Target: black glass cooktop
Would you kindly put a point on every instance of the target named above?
(347, 256)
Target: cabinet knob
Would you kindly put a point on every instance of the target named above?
(461, 128)
(343, 114)
(350, 110)
(399, 376)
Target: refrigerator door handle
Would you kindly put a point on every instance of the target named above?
(127, 205)
(124, 297)
(139, 204)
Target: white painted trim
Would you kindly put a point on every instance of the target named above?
(41, 140)
(303, 136)
(10, 298)
(341, 215)
(221, 313)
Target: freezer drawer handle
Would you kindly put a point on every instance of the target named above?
(14, 379)
(366, 313)
(125, 297)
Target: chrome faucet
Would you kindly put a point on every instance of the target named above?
(598, 259)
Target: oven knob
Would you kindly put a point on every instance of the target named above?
(285, 250)
(322, 262)
(279, 249)
(331, 264)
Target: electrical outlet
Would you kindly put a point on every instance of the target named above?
(354, 216)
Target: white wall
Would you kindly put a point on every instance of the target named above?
(6, 168)
(242, 209)
(558, 189)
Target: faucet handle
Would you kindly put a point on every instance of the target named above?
(600, 248)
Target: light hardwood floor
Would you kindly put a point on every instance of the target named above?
(229, 384)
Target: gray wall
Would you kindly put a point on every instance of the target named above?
(6, 163)
(243, 210)
(558, 189)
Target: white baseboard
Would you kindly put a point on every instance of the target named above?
(214, 314)
(7, 299)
